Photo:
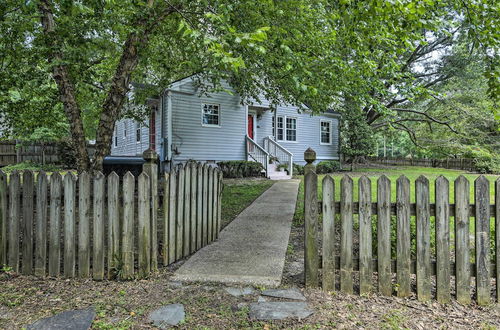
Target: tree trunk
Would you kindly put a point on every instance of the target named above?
(116, 97)
(65, 86)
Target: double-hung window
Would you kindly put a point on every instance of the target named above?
(291, 129)
(210, 114)
(286, 129)
(138, 130)
(326, 131)
(280, 133)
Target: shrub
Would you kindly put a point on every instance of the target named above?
(484, 160)
(240, 169)
(298, 169)
(282, 167)
(327, 166)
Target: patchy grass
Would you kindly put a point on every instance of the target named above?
(30, 166)
(126, 305)
(237, 194)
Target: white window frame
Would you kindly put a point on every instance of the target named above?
(330, 122)
(125, 130)
(296, 129)
(203, 114)
(284, 128)
(275, 128)
(138, 132)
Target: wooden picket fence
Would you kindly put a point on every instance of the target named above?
(432, 270)
(106, 227)
(466, 164)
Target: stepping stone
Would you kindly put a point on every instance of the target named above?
(168, 315)
(261, 299)
(175, 285)
(293, 294)
(266, 311)
(237, 292)
(75, 320)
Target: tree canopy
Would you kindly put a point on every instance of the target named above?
(72, 62)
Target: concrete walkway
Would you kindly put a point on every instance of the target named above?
(251, 249)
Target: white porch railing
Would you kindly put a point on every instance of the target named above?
(256, 153)
(276, 150)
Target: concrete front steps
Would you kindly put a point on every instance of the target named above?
(274, 174)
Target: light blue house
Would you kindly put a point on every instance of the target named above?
(186, 126)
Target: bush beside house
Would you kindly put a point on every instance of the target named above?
(240, 169)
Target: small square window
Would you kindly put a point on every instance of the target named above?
(211, 115)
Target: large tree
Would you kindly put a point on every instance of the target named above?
(314, 52)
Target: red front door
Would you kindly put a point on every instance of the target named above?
(250, 126)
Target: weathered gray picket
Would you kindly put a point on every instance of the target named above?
(84, 225)
(384, 235)
(69, 225)
(328, 233)
(127, 248)
(431, 267)
(14, 216)
(98, 228)
(41, 225)
(55, 225)
(27, 222)
(90, 225)
(442, 198)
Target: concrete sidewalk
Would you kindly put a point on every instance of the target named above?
(251, 249)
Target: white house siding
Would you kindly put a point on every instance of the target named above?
(194, 141)
(308, 133)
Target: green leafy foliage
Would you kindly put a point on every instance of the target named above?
(25, 166)
(327, 166)
(298, 169)
(240, 169)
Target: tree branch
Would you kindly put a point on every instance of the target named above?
(429, 117)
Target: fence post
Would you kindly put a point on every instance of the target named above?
(311, 218)
(151, 169)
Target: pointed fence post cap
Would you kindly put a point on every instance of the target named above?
(150, 155)
(310, 155)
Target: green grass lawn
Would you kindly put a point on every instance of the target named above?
(411, 172)
(237, 194)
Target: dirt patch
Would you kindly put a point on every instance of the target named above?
(338, 310)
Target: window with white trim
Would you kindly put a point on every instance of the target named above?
(291, 129)
(116, 136)
(210, 114)
(288, 132)
(280, 135)
(125, 130)
(326, 131)
(138, 131)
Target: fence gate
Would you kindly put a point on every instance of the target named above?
(395, 245)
